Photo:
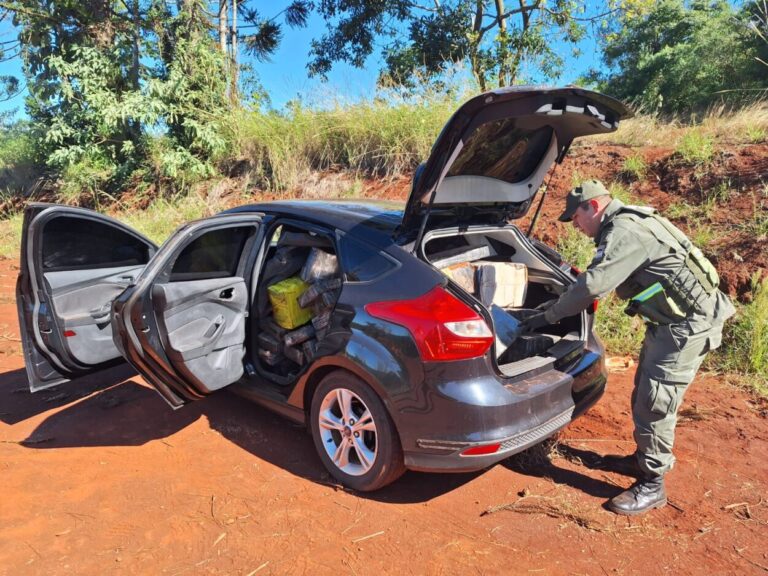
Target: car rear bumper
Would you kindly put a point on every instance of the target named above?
(482, 412)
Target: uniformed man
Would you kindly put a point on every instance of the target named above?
(670, 285)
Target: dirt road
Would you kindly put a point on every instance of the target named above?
(100, 476)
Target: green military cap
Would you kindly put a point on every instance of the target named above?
(586, 191)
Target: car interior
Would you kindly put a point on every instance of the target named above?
(501, 272)
(297, 288)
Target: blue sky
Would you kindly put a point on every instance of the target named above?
(285, 76)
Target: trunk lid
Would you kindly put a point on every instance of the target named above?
(493, 154)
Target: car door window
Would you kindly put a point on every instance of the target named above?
(215, 254)
(71, 243)
(361, 262)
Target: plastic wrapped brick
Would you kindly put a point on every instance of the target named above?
(271, 358)
(298, 336)
(268, 324)
(294, 355)
(503, 284)
(319, 265)
(269, 342)
(318, 288)
(309, 348)
(463, 274)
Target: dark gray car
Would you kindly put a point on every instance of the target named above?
(393, 333)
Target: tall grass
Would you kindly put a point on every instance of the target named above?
(745, 341)
(378, 137)
(723, 125)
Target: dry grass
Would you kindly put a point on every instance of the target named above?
(725, 126)
(557, 508)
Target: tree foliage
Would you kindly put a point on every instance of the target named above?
(678, 56)
(493, 39)
(104, 75)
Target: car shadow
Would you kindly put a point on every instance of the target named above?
(18, 404)
(112, 408)
(533, 463)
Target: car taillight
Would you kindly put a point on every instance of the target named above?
(575, 271)
(443, 327)
(482, 450)
(594, 305)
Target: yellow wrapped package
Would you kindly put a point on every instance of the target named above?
(284, 297)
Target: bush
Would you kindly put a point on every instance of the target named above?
(86, 182)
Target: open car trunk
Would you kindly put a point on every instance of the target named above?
(503, 272)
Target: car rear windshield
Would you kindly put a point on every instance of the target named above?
(502, 150)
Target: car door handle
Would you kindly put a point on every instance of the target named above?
(101, 314)
(215, 329)
(226, 294)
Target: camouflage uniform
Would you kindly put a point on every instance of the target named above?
(642, 258)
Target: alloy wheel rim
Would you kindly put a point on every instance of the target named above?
(348, 432)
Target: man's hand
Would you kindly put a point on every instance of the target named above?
(534, 322)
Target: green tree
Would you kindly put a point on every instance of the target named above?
(103, 74)
(679, 57)
(494, 39)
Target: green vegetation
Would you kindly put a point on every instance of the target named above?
(10, 236)
(679, 57)
(745, 341)
(379, 137)
(495, 42)
(163, 216)
(635, 167)
(696, 148)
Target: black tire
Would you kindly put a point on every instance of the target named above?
(387, 465)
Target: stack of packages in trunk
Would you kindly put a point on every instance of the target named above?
(302, 307)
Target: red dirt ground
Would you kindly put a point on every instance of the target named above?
(100, 476)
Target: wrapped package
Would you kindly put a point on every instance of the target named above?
(319, 265)
(294, 355)
(284, 297)
(460, 255)
(298, 336)
(318, 288)
(322, 323)
(271, 358)
(268, 324)
(309, 348)
(502, 283)
(269, 342)
(463, 274)
(325, 302)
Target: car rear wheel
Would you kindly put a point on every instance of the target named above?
(353, 433)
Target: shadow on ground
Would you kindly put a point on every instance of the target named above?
(112, 408)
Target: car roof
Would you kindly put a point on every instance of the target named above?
(374, 221)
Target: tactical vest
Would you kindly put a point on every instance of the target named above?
(675, 297)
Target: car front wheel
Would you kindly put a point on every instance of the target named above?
(353, 433)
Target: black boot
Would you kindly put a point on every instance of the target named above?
(645, 494)
(626, 465)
